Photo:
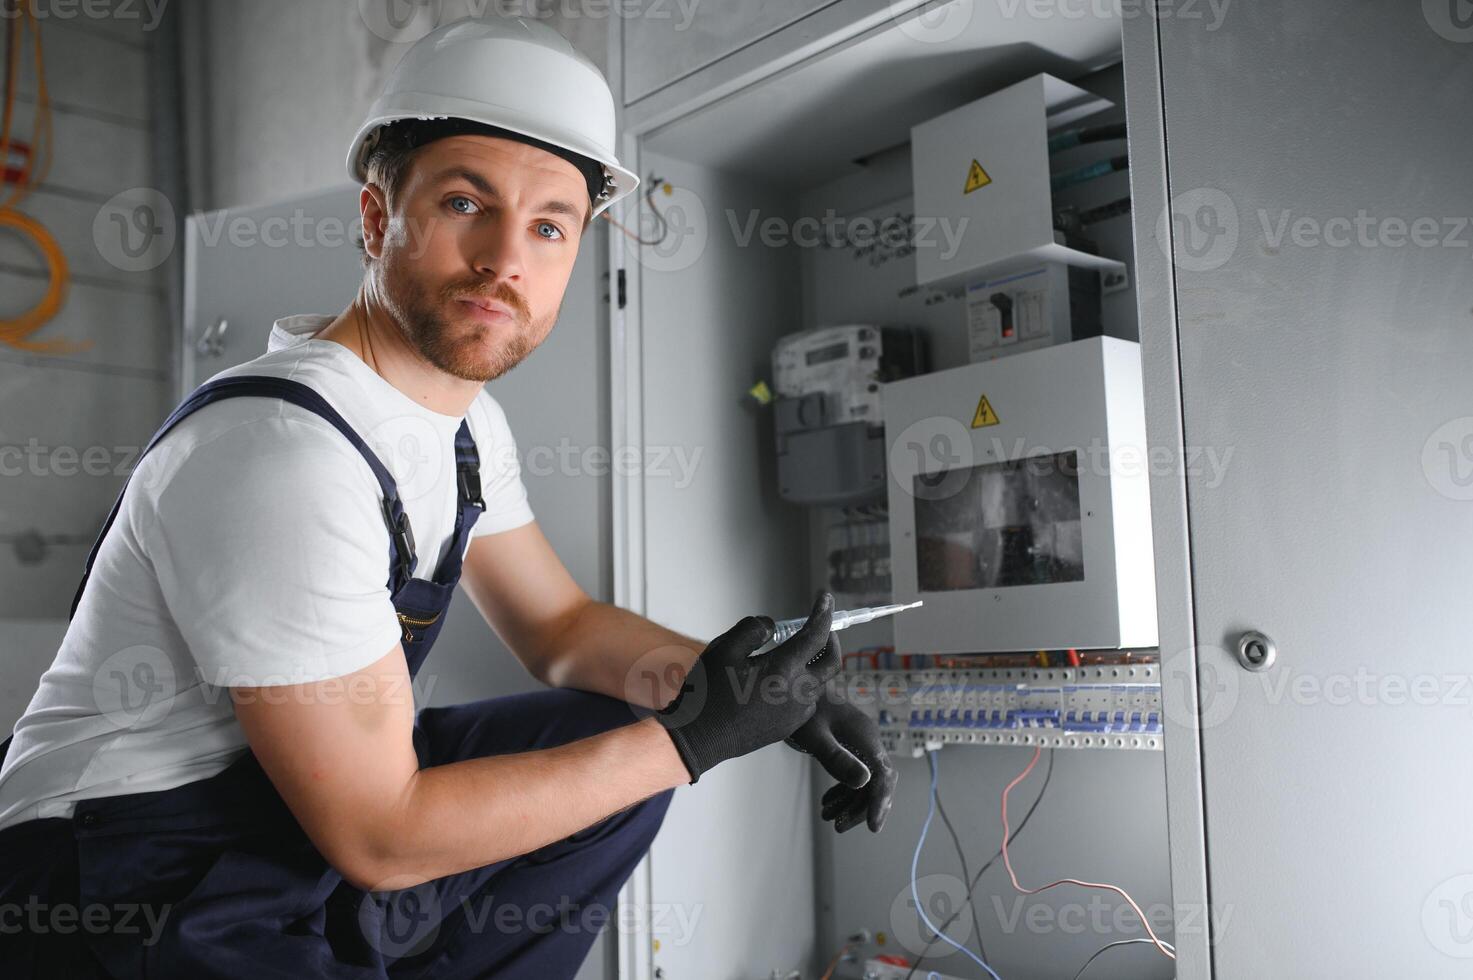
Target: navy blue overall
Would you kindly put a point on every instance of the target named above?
(216, 878)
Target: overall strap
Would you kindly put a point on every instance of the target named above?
(468, 503)
(401, 537)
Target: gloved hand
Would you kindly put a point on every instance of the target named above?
(846, 741)
(732, 703)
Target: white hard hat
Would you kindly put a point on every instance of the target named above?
(515, 74)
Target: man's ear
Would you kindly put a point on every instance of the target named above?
(372, 204)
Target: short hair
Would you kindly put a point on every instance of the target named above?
(395, 144)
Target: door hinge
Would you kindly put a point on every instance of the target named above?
(620, 287)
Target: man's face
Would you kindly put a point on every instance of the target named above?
(481, 220)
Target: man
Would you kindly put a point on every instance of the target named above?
(315, 824)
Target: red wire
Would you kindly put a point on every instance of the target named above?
(1007, 863)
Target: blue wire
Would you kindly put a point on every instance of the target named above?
(916, 860)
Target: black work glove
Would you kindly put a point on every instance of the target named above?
(732, 703)
(846, 741)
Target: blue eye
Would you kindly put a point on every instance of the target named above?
(549, 224)
(460, 197)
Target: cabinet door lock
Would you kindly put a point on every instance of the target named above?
(1256, 651)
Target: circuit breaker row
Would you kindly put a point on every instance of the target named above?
(1106, 707)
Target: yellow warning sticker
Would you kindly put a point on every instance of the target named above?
(984, 414)
(976, 177)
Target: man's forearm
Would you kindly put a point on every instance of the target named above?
(468, 814)
(612, 651)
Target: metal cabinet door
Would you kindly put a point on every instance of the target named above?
(1316, 159)
(668, 40)
(251, 266)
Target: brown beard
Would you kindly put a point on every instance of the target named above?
(459, 348)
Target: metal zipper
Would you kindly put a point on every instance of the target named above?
(407, 621)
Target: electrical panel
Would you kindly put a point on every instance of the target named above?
(1116, 706)
(1019, 503)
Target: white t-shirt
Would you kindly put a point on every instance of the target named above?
(250, 549)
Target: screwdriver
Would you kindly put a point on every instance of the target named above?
(842, 619)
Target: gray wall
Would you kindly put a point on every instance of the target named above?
(70, 422)
(277, 88)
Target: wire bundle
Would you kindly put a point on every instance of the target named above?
(17, 331)
(1008, 836)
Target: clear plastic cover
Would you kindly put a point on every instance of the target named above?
(998, 525)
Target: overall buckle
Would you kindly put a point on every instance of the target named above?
(401, 534)
(470, 485)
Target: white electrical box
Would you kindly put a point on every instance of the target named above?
(983, 170)
(1020, 505)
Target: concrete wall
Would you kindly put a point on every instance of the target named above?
(281, 86)
(70, 423)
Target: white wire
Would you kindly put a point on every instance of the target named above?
(1109, 946)
(915, 862)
